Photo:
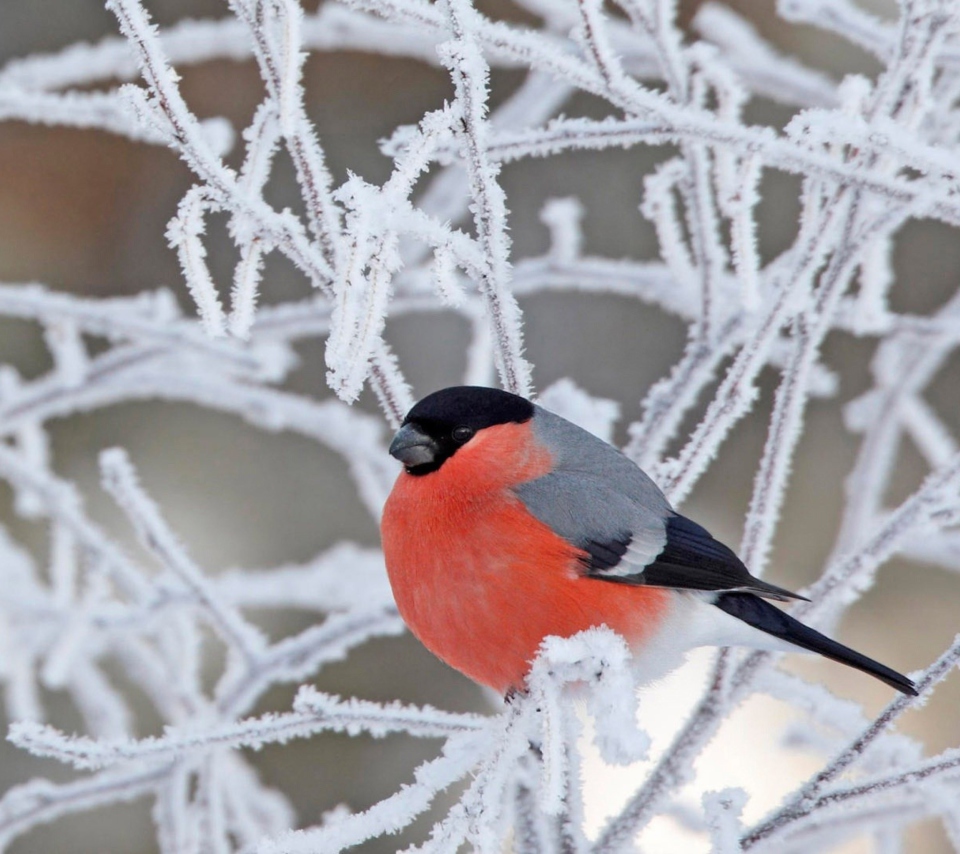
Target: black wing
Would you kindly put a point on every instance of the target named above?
(691, 559)
(604, 554)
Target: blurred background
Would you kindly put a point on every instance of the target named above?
(85, 213)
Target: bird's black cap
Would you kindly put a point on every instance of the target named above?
(444, 421)
(470, 406)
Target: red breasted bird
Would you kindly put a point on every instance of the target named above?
(508, 524)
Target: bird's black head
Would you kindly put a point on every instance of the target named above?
(446, 420)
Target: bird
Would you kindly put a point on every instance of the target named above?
(509, 523)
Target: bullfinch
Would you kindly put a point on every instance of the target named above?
(509, 523)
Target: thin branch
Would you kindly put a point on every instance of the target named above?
(120, 480)
(807, 797)
(469, 72)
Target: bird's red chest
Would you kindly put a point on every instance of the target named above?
(478, 579)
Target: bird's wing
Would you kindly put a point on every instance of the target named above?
(605, 505)
(692, 559)
(631, 543)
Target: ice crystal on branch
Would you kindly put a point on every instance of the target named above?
(871, 155)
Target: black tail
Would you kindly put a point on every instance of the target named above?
(760, 614)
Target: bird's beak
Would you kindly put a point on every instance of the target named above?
(413, 447)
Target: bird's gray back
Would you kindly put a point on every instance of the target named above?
(594, 494)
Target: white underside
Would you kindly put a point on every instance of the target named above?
(694, 622)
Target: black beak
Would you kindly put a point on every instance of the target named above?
(413, 447)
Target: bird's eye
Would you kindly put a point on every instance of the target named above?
(462, 434)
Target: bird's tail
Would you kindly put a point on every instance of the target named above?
(760, 614)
